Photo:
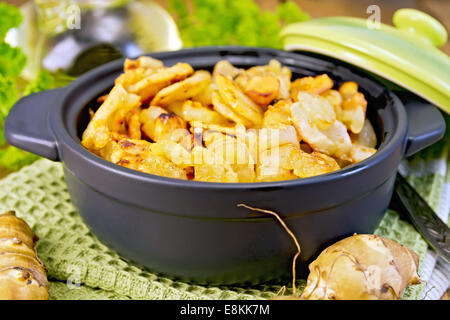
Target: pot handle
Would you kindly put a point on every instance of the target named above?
(27, 124)
(426, 125)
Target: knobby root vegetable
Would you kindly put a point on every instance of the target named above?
(362, 267)
(22, 274)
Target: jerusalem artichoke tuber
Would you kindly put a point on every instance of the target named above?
(362, 267)
(22, 275)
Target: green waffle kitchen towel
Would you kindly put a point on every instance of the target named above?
(81, 267)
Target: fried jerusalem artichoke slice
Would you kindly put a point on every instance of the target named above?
(137, 70)
(144, 62)
(360, 153)
(183, 90)
(228, 150)
(315, 85)
(354, 106)
(312, 164)
(320, 131)
(278, 114)
(273, 70)
(366, 137)
(138, 155)
(288, 161)
(364, 143)
(158, 124)
(225, 68)
(98, 132)
(195, 111)
(22, 275)
(237, 101)
(274, 164)
(335, 98)
(221, 106)
(262, 89)
(362, 267)
(209, 168)
(151, 84)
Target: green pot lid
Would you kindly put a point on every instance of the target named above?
(406, 54)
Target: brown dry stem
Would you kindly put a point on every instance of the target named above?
(285, 227)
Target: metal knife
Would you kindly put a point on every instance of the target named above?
(425, 220)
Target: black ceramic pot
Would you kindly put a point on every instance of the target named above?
(194, 230)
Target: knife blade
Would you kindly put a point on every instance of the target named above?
(423, 217)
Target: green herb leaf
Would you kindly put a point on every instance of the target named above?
(46, 80)
(13, 159)
(10, 17)
(8, 95)
(289, 12)
(12, 60)
(228, 22)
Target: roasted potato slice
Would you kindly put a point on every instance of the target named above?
(183, 90)
(238, 101)
(150, 85)
(98, 131)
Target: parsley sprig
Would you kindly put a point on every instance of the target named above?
(232, 22)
